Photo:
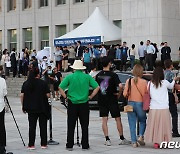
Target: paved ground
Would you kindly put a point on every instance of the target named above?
(15, 145)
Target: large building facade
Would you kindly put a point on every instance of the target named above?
(35, 23)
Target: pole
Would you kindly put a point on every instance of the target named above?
(14, 119)
(51, 141)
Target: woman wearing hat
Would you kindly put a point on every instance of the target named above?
(78, 85)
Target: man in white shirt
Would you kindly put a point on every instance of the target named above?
(103, 51)
(3, 92)
(150, 50)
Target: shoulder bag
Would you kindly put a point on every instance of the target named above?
(146, 98)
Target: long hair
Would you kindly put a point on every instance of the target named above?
(33, 73)
(158, 76)
(137, 72)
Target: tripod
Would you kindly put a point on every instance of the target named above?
(51, 141)
(14, 119)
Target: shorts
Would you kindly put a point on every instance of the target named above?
(112, 108)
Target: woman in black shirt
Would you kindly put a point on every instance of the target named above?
(34, 99)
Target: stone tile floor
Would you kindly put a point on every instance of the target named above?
(96, 137)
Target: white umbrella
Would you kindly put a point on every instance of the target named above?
(42, 53)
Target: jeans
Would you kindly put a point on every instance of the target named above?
(132, 59)
(137, 114)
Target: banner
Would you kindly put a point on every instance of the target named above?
(72, 41)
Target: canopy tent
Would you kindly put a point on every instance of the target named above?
(96, 29)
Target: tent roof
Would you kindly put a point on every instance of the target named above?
(96, 25)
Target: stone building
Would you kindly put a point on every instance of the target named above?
(35, 23)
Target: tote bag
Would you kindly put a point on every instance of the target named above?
(147, 99)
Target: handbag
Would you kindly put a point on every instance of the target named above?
(146, 98)
(128, 108)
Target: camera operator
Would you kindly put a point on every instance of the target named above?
(49, 77)
(3, 92)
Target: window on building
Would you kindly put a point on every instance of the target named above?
(27, 4)
(60, 30)
(76, 25)
(12, 39)
(44, 37)
(60, 2)
(0, 39)
(78, 1)
(11, 5)
(118, 23)
(28, 38)
(43, 3)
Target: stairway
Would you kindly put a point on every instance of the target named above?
(14, 86)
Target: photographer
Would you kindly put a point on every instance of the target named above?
(49, 77)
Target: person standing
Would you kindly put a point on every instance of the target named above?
(158, 127)
(21, 55)
(169, 76)
(79, 50)
(103, 51)
(124, 56)
(108, 99)
(141, 54)
(150, 50)
(132, 53)
(65, 59)
(165, 52)
(135, 92)
(78, 85)
(3, 92)
(13, 62)
(87, 57)
(34, 100)
(118, 56)
(57, 81)
(58, 57)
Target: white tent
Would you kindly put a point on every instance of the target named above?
(96, 25)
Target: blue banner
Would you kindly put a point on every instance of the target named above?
(72, 41)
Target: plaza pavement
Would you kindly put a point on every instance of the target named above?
(96, 137)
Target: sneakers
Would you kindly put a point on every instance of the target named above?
(135, 145)
(69, 149)
(175, 135)
(141, 141)
(124, 142)
(107, 142)
(156, 145)
(31, 148)
(44, 147)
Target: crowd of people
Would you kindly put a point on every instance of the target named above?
(121, 55)
(35, 92)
